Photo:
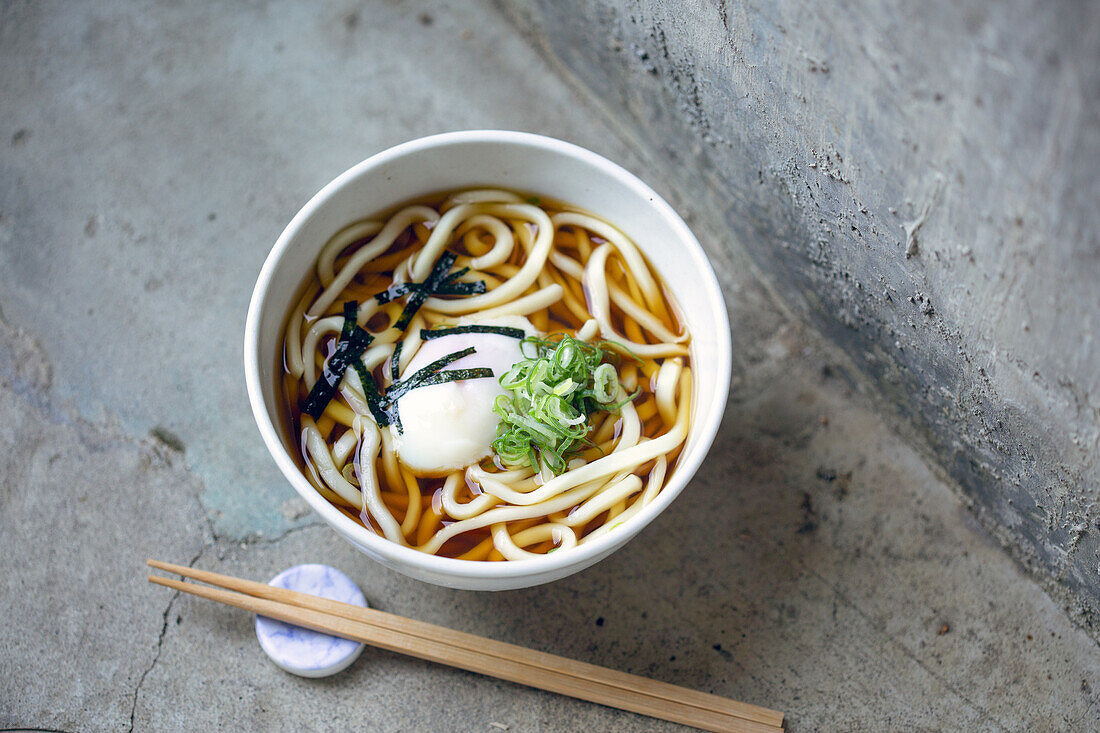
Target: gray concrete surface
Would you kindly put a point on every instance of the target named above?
(918, 181)
(151, 153)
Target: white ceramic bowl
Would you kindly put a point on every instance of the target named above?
(528, 163)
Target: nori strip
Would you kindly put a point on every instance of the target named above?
(435, 284)
(351, 319)
(399, 388)
(418, 296)
(394, 292)
(454, 375)
(395, 362)
(374, 397)
(455, 288)
(517, 333)
(440, 377)
(384, 406)
(455, 275)
(353, 342)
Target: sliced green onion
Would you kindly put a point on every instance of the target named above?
(551, 396)
(605, 383)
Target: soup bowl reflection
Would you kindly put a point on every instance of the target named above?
(490, 158)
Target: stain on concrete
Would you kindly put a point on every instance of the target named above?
(169, 439)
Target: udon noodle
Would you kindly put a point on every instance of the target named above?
(550, 268)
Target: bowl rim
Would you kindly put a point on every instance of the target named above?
(398, 555)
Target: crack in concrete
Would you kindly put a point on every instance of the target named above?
(160, 641)
(25, 370)
(255, 540)
(252, 540)
(214, 541)
(986, 715)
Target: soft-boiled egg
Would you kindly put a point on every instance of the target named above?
(449, 426)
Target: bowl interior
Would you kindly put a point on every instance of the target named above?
(526, 163)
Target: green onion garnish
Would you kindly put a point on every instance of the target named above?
(426, 335)
(544, 418)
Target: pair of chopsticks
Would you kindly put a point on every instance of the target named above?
(477, 654)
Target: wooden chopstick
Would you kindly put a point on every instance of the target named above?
(477, 644)
(477, 654)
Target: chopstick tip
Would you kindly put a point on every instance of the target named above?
(159, 580)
